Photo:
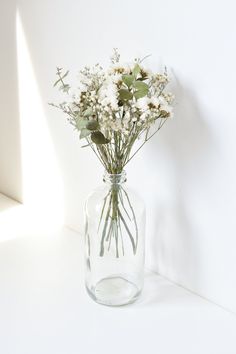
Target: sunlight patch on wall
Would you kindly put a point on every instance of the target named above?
(42, 182)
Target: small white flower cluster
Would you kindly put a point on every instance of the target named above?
(121, 97)
(117, 106)
(114, 108)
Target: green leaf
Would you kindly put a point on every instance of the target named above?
(55, 84)
(140, 85)
(92, 125)
(88, 112)
(60, 77)
(84, 133)
(136, 70)
(142, 89)
(63, 76)
(140, 94)
(125, 94)
(98, 138)
(64, 88)
(81, 123)
(128, 79)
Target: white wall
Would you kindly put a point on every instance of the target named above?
(10, 151)
(189, 169)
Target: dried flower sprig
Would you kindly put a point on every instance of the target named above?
(113, 109)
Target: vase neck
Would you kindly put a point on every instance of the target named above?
(118, 178)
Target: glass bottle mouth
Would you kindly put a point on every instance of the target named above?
(115, 178)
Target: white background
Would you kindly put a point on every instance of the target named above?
(186, 174)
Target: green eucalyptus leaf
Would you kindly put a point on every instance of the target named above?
(136, 70)
(140, 85)
(125, 94)
(84, 133)
(98, 138)
(81, 123)
(92, 125)
(140, 93)
(128, 79)
(88, 112)
(142, 89)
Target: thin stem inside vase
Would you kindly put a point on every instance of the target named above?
(115, 217)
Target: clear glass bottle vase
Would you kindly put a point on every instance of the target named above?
(114, 242)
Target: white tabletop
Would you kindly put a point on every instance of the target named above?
(44, 308)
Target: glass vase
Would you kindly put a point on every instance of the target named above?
(114, 242)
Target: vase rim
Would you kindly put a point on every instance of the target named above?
(114, 177)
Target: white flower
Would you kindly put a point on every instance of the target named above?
(162, 78)
(162, 101)
(99, 96)
(169, 97)
(165, 106)
(154, 101)
(142, 103)
(144, 116)
(108, 95)
(145, 72)
(115, 56)
(115, 78)
(120, 69)
(167, 109)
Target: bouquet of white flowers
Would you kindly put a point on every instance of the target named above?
(112, 110)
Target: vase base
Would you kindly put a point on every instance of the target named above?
(114, 291)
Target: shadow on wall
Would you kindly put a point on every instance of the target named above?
(188, 145)
(10, 142)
